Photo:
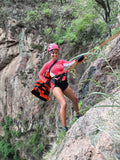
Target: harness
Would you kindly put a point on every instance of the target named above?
(58, 78)
(41, 89)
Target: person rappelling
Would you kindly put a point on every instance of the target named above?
(59, 84)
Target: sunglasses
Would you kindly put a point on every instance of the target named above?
(53, 51)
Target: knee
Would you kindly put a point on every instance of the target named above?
(64, 105)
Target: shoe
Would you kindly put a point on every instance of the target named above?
(77, 117)
(65, 129)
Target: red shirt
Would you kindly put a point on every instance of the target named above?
(57, 68)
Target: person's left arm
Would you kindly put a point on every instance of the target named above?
(70, 63)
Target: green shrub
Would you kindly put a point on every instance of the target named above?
(46, 12)
(31, 15)
(7, 150)
(60, 136)
(36, 46)
(33, 145)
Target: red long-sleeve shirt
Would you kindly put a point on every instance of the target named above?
(58, 68)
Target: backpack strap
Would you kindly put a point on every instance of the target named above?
(52, 65)
(47, 74)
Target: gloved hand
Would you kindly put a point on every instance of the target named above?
(79, 59)
(48, 83)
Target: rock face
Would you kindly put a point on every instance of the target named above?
(94, 136)
(101, 76)
(89, 140)
(22, 54)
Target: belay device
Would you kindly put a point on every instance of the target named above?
(41, 89)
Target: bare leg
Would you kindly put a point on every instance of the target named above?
(69, 93)
(57, 92)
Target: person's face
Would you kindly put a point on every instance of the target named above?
(54, 54)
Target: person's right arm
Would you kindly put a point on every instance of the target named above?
(41, 73)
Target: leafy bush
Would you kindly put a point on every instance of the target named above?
(75, 22)
(34, 146)
(36, 46)
(84, 29)
(31, 144)
(46, 12)
(31, 15)
(7, 150)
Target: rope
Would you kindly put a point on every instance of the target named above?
(71, 68)
(112, 37)
(93, 50)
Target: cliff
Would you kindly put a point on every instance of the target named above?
(96, 134)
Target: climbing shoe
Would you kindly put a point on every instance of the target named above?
(80, 115)
(65, 129)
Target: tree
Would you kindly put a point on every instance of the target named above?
(105, 5)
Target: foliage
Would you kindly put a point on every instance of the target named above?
(85, 25)
(7, 150)
(82, 29)
(72, 122)
(115, 30)
(31, 144)
(74, 22)
(36, 46)
(60, 136)
(46, 12)
(108, 10)
(31, 15)
(44, 5)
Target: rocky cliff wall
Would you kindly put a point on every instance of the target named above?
(22, 53)
(95, 136)
(101, 76)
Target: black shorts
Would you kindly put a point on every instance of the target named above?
(62, 85)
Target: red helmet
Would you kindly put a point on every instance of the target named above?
(52, 46)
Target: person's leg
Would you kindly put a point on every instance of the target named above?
(69, 93)
(57, 92)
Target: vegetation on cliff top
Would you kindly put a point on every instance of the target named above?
(75, 22)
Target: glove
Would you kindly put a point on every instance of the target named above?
(48, 83)
(79, 59)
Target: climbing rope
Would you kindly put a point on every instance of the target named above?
(92, 52)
